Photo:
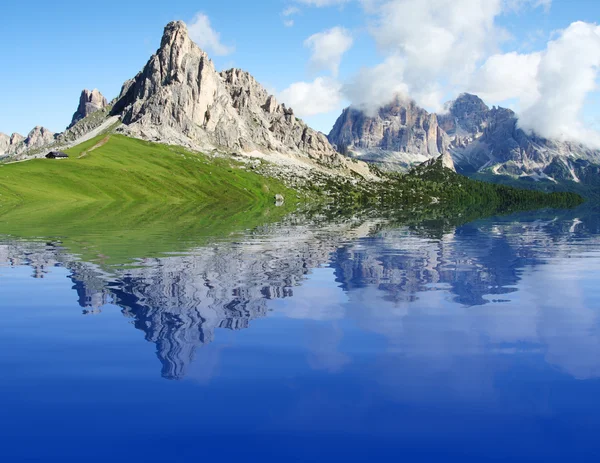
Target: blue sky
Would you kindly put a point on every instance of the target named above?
(52, 52)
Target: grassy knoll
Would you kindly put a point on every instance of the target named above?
(127, 169)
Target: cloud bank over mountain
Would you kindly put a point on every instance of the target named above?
(433, 50)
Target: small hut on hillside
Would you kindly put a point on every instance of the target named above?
(56, 155)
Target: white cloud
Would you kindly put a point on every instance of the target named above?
(440, 43)
(508, 76)
(432, 47)
(567, 73)
(327, 49)
(201, 32)
(310, 98)
(373, 87)
(290, 11)
(550, 86)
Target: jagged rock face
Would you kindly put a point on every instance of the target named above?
(4, 143)
(10, 145)
(467, 114)
(273, 125)
(179, 97)
(400, 135)
(35, 140)
(16, 138)
(89, 103)
(477, 137)
(483, 138)
(38, 137)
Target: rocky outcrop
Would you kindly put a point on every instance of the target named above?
(180, 98)
(17, 144)
(16, 139)
(400, 135)
(9, 145)
(92, 114)
(39, 137)
(466, 115)
(90, 101)
(4, 143)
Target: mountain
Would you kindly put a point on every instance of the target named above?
(179, 98)
(17, 144)
(90, 102)
(8, 142)
(490, 139)
(400, 135)
(478, 138)
(90, 119)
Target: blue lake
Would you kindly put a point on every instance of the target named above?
(309, 340)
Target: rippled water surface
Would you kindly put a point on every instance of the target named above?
(355, 340)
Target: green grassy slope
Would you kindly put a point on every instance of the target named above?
(127, 169)
(131, 199)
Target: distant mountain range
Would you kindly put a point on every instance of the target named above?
(479, 139)
(179, 98)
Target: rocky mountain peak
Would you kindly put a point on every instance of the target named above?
(401, 134)
(467, 103)
(490, 139)
(175, 34)
(4, 143)
(38, 137)
(90, 101)
(16, 138)
(180, 98)
(467, 115)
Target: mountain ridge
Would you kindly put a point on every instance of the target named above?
(477, 137)
(179, 98)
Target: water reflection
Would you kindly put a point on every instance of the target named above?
(448, 303)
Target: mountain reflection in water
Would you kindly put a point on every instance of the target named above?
(494, 285)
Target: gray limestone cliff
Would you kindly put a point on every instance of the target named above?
(90, 102)
(468, 135)
(180, 98)
(399, 136)
(17, 144)
(491, 139)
